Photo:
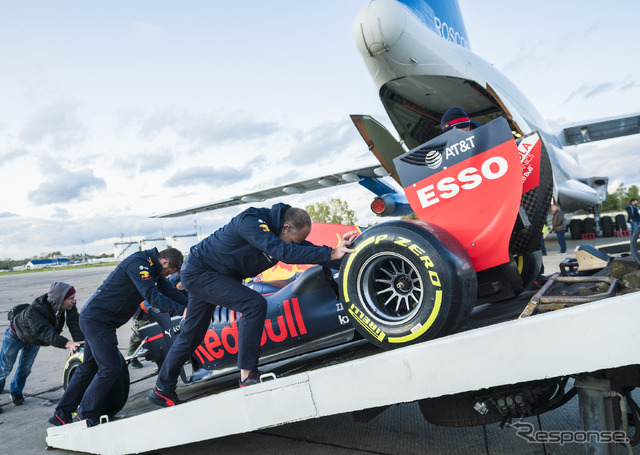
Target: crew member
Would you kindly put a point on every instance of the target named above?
(456, 117)
(141, 276)
(212, 274)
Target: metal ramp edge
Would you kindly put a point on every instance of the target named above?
(585, 338)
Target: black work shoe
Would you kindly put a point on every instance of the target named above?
(17, 399)
(135, 363)
(58, 420)
(164, 399)
(91, 422)
(254, 378)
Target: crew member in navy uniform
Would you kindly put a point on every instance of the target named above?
(213, 274)
(141, 276)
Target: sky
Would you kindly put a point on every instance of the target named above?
(114, 111)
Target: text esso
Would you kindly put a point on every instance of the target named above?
(468, 179)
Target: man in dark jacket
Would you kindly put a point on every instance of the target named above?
(212, 274)
(39, 324)
(634, 215)
(141, 276)
(559, 228)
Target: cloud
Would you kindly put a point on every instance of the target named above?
(586, 91)
(322, 144)
(7, 214)
(143, 162)
(209, 175)
(201, 131)
(12, 154)
(56, 124)
(67, 186)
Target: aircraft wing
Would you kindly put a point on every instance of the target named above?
(326, 181)
(597, 131)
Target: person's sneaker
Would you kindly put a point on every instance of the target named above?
(254, 378)
(91, 422)
(58, 420)
(17, 399)
(164, 399)
(135, 363)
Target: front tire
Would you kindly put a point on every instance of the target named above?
(407, 282)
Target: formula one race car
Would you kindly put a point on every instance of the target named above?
(481, 201)
(304, 315)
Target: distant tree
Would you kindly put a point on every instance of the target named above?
(55, 254)
(334, 211)
(618, 200)
(632, 193)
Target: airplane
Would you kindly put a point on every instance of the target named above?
(418, 54)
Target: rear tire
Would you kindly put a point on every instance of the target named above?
(588, 226)
(621, 222)
(119, 393)
(407, 282)
(607, 226)
(575, 227)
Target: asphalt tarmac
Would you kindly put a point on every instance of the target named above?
(401, 429)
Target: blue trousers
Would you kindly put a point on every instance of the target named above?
(561, 241)
(11, 346)
(206, 290)
(97, 373)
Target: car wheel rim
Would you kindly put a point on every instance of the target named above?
(389, 285)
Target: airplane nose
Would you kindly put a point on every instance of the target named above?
(378, 26)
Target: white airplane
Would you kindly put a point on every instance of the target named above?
(417, 52)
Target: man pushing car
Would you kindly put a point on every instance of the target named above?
(141, 276)
(213, 274)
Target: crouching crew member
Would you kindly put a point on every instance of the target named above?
(141, 276)
(35, 325)
(212, 274)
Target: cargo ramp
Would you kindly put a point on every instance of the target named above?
(590, 337)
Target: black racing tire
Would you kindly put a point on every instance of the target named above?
(588, 226)
(407, 282)
(529, 267)
(621, 222)
(607, 226)
(119, 393)
(536, 204)
(575, 228)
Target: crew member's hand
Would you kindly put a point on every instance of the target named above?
(73, 346)
(342, 249)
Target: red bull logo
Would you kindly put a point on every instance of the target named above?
(217, 344)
